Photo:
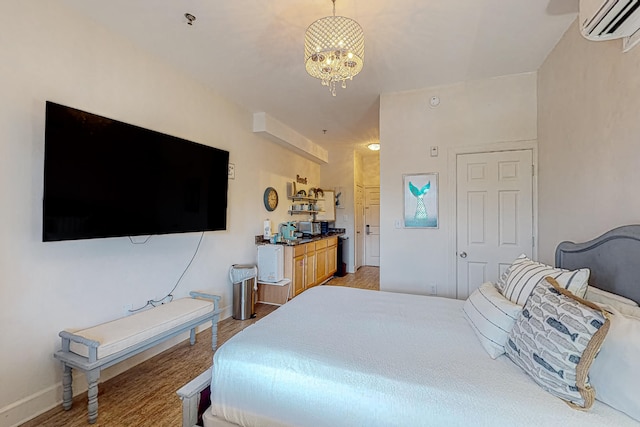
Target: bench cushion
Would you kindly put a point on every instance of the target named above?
(128, 331)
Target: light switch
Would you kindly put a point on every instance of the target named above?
(434, 151)
(232, 171)
(397, 223)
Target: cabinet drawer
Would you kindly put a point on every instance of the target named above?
(321, 244)
(299, 250)
(332, 241)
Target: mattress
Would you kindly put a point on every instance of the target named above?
(337, 356)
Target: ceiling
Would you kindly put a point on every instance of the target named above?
(251, 51)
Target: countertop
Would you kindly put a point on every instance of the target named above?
(301, 240)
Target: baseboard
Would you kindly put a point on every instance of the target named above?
(31, 406)
(44, 400)
(225, 312)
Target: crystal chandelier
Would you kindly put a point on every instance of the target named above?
(334, 50)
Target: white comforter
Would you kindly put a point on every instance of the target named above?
(338, 356)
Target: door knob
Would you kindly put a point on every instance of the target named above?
(463, 254)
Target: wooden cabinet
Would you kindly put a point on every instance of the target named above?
(294, 268)
(326, 258)
(321, 261)
(310, 264)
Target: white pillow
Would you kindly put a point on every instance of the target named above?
(524, 274)
(491, 316)
(627, 310)
(615, 373)
(603, 297)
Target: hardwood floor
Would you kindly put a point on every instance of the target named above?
(145, 395)
(364, 278)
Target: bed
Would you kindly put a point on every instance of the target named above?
(351, 357)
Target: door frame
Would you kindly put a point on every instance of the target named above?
(452, 163)
(358, 238)
(364, 223)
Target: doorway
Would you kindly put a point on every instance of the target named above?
(372, 225)
(359, 226)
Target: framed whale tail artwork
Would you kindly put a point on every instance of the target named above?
(420, 200)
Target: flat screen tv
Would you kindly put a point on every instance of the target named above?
(106, 178)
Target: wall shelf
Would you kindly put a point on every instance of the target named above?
(304, 199)
(303, 212)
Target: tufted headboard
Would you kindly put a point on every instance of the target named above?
(613, 258)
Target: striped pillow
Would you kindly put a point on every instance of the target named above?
(524, 274)
(491, 316)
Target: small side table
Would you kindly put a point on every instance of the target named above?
(274, 293)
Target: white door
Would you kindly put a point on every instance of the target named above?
(359, 225)
(372, 225)
(494, 214)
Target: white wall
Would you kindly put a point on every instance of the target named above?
(371, 169)
(49, 53)
(589, 140)
(473, 113)
(340, 172)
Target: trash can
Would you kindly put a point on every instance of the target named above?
(243, 277)
(341, 265)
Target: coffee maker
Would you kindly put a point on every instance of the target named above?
(288, 230)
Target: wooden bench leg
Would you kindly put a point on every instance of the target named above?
(67, 384)
(92, 394)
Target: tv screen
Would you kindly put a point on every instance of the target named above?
(106, 178)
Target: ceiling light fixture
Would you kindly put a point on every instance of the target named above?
(374, 146)
(334, 50)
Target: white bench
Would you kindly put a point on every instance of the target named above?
(104, 345)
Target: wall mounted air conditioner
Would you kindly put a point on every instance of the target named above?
(611, 19)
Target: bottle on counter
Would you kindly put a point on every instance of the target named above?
(266, 234)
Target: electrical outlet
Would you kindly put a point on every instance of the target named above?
(232, 171)
(433, 290)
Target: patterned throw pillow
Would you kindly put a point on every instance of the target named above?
(491, 316)
(555, 340)
(524, 274)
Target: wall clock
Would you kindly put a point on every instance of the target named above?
(270, 199)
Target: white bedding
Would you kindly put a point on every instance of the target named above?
(338, 356)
